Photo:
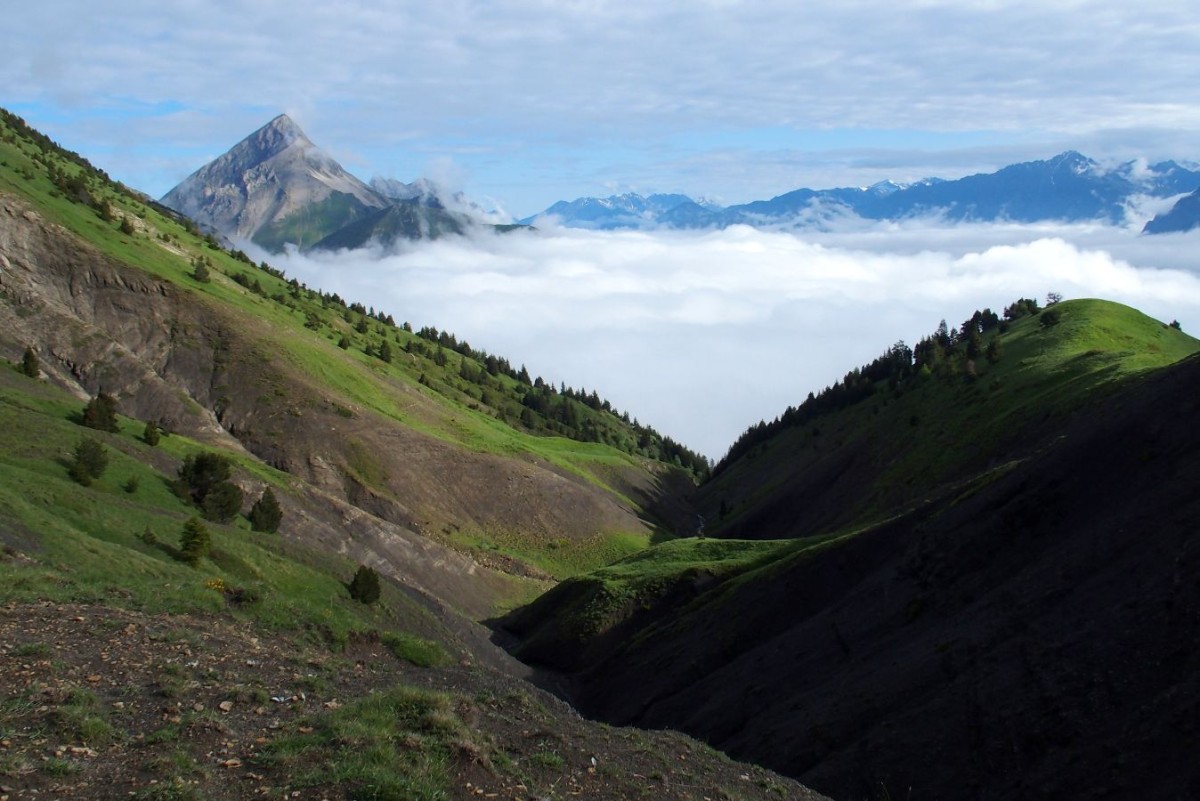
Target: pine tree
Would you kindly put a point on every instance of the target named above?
(266, 514)
(200, 270)
(101, 413)
(364, 587)
(199, 473)
(90, 461)
(994, 351)
(151, 434)
(195, 542)
(222, 503)
(29, 364)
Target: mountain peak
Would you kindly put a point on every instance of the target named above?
(276, 136)
(274, 186)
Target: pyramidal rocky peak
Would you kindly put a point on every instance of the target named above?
(274, 186)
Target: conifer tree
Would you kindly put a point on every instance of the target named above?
(90, 461)
(195, 543)
(29, 363)
(101, 413)
(266, 514)
(994, 351)
(222, 502)
(364, 587)
(151, 434)
(200, 270)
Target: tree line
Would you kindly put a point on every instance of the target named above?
(946, 352)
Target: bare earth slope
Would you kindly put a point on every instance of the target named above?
(102, 703)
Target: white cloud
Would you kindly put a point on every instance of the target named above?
(701, 335)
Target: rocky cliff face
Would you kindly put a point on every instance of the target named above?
(272, 187)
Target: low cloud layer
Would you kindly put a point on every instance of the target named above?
(702, 335)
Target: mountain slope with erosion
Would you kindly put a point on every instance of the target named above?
(126, 672)
(417, 429)
(980, 596)
(133, 667)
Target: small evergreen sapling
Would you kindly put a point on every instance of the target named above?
(101, 413)
(265, 514)
(151, 434)
(222, 503)
(364, 587)
(29, 364)
(195, 542)
(90, 461)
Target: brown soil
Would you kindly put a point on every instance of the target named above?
(197, 700)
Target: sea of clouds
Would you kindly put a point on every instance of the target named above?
(701, 334)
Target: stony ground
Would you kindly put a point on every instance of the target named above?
(99, 703)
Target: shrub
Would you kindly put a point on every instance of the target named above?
(195, 542)
(266, 514)
(364, 587)
(29, 364)
(148, 536)
(222, 502)
(101, 413)
(131, 485)
(90, 461)
(151, 434)
(199, 473)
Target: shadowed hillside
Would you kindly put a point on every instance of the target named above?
(1007, 611)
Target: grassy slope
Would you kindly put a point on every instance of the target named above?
(86, 544)
(958, 444)
(898, 448)
(445, 406)
(363, 380)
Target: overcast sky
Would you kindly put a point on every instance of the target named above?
(530, 101)
(526, 102)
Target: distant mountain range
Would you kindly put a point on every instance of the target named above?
(276, 187)
(1068, 187)
(1183, 216)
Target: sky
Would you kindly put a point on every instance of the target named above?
(527, 102)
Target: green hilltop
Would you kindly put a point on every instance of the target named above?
(956, 520)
